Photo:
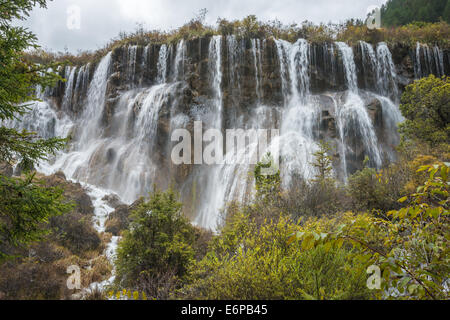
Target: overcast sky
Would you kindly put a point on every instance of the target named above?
(102, 20)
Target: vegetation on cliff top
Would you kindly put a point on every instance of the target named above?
(350, 31)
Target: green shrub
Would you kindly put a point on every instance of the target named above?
(249, 262)
(426, 106)
(409, 246)
(156, 250)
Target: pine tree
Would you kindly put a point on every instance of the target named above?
(268, 184)
(446, 15)
(402, 12)
(25, 203)
(323, 163)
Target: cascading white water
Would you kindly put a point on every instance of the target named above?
(208, 215)
(417, 62)
(215, 65)
(369, 60)
(257, 59)
(145, 56)
(353, 112)
(300, 112)
(386, 73)
(162, 64)
(439, 58)
(67, 100)
(42, 119)
(82, 81)
(76, 164)
(179, 61)
(348, 60)
(234, 54)
(131, 66)
(428, 61)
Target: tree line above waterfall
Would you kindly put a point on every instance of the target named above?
(350, 31)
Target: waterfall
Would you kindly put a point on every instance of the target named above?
(75, 164)
(67, 100)
(215, 67)
(417, 63)
(353, 113)
(95, 100)
(257, 59)
(235, 58)
(42, 119)
(119, 136)
(386, 73)
(391, 118)
(369, 61)
(162, 64)
(260, 64)
(428, 61)
(439, 58)
(208, 215)
(348, 60)
(82, 82)
(145, 56)
(300, 112)
(179, 60)
(131, 66)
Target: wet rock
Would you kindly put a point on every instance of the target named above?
(113, 201)
(375, 112)
(119, 219)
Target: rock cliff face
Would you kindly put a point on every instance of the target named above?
(121, 112)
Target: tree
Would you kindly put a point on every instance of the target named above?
(25, 203)
(268, 184)
(250, 26)
(425, 105)
(402, 12)
(447, 12)
(156, 250)
(323, 163)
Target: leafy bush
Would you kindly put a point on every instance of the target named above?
(370, 189)
(425, 105)
(248, 261)
(410, 246)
